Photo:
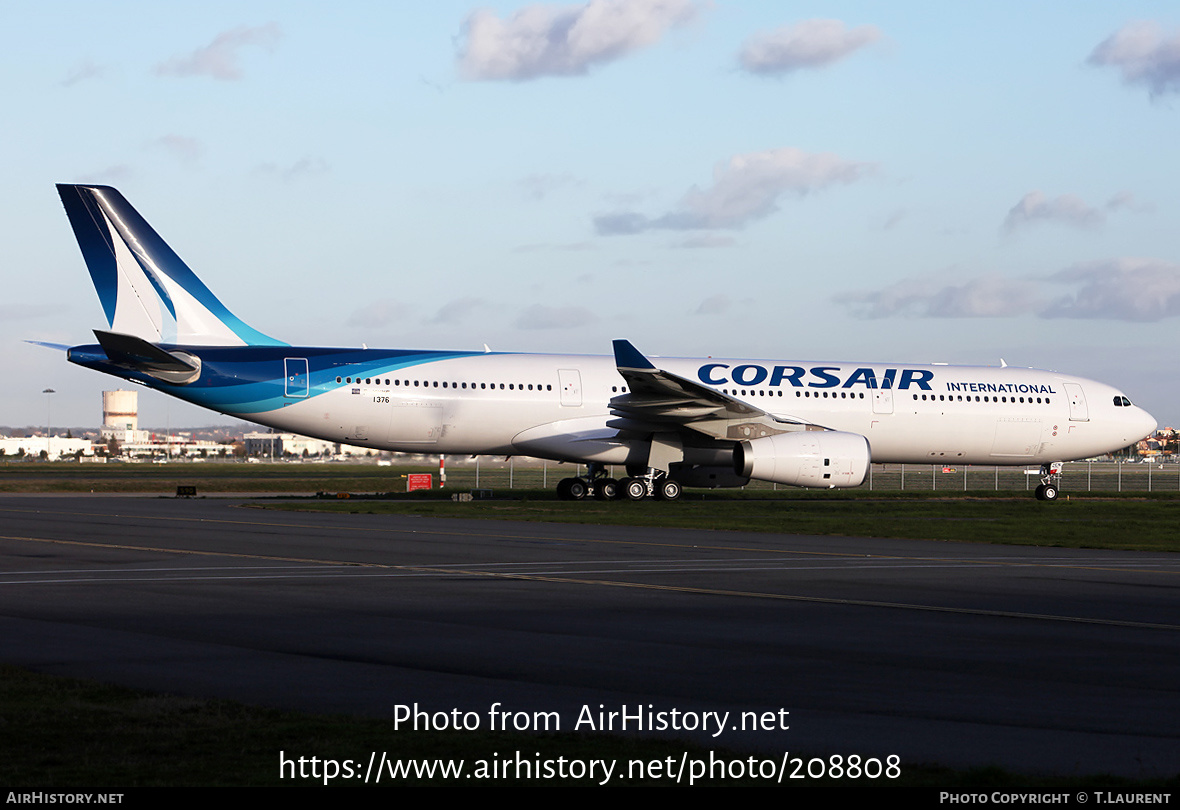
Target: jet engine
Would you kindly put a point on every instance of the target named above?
(806, 458)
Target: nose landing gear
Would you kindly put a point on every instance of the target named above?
(1050, 485)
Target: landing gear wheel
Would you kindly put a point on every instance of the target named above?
(1050, 482)
(668, 490)
(1048, 492)
(634, 489)
(607, 489)
(572, 489)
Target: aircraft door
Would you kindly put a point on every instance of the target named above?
(570, 380)
(1078, 412)
(882, 400)
(296, 379)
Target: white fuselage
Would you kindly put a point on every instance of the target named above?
(558, 406)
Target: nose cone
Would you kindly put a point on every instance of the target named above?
(1142, 424)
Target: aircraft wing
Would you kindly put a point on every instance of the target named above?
(658, 400)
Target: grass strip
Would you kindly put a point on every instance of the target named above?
(1119, 523)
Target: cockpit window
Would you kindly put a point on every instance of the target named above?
(1122, 402)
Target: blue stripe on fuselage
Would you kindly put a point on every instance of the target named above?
(251, 380)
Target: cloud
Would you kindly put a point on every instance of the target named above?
(623, 224)
(86, 69)
(894, 219)
(1125, 199)
(220, 57)
(458, 310)
(546, 40)
(183, 148)
(1068, 208)
(304, 167)
(1122, 289)
(745, 189)
(715, 305)
(1118, 289)
(807, 44)
(111, 175)
(986, 297)
(540, 316)
(380, 313)
(1144, 54)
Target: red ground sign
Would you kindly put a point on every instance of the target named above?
(418, 481)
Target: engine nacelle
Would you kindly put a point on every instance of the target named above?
(806, 458)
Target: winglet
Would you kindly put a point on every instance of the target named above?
(627, 356)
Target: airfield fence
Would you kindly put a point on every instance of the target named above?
(1077, 476)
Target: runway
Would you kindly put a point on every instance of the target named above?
(1050, 660)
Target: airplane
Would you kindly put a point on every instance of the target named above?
(701, 422)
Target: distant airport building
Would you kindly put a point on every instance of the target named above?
(277, 445)
(120, 422)
(53, 447)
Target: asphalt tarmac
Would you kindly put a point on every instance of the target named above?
(1034, 659)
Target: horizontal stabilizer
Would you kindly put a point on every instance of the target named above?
(61, 347)
(136, 353)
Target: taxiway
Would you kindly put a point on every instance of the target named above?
(1064, 661)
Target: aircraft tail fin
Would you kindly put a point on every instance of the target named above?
(146, 290)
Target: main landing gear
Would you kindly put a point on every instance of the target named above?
(1050, 485)
(598, 484)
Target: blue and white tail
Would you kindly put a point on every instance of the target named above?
(146, 290)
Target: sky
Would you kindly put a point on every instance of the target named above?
(901, 182)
